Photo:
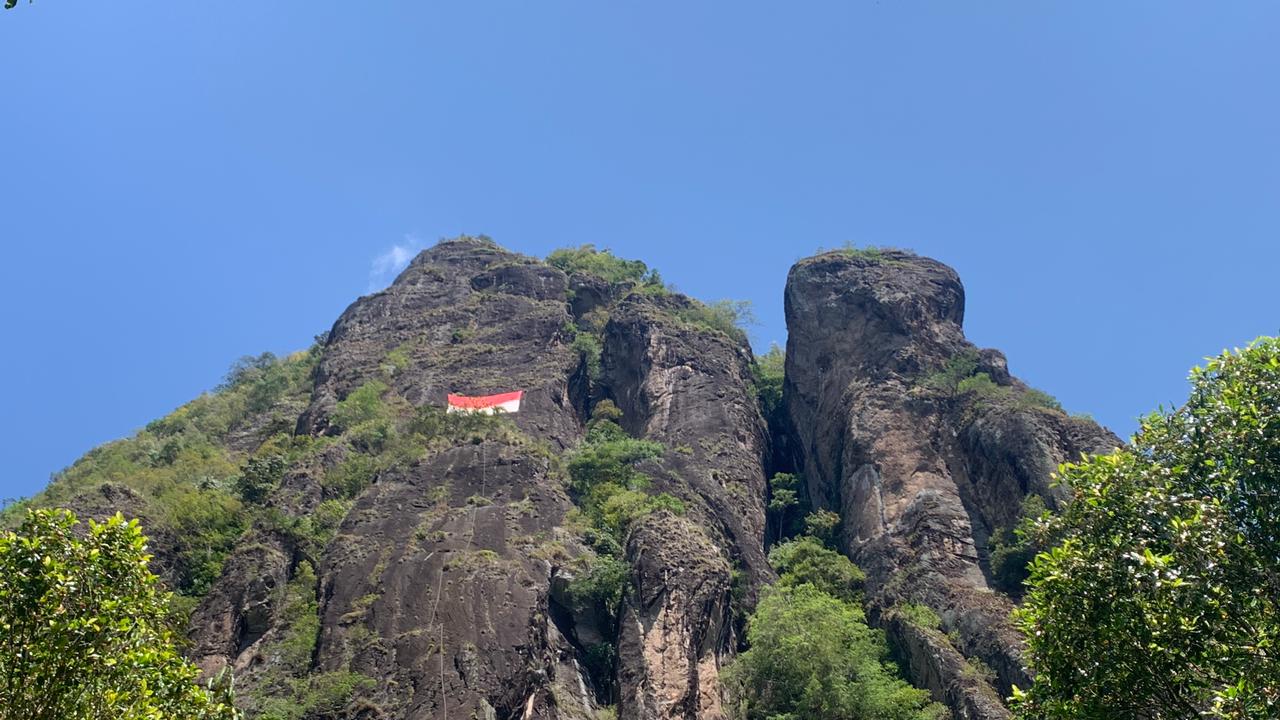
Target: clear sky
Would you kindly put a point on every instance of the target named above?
(188, 182)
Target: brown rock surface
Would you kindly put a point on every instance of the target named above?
(920, 478)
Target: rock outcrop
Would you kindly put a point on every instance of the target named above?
(381, 571)
(444, 581)
(921, 474)
(688, 387)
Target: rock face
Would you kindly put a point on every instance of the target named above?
(445, 579)
(434, 580)
(920, 475)
(690, 389)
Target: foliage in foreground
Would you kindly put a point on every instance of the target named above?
(84, 631)
(1160, 598)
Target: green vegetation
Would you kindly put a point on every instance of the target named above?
(288, 690)
(806, 561)
(869, 253)
(959, 367)
(1013, 548)
(191, 486)
(600, 584)
(727, 317)
(824, 525)
(605, 483)
(84, 628)
(959, 378)
(920, 615)
(611, 494)
(1161, 595)
(768, 373)
(784, 499)
(589, 348)
(385, 432)
(586, 259)
(322, 695)
(260, 476)
(811, 653)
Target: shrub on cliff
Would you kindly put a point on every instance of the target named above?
(812, 655)
(1013, 548)
(1161, 597)
(807, 561)
(586, 259)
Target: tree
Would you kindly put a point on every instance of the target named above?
(783, 496)
(1160, 597)
(813, 656)
(769, 374)
(807, 561)
(84, 630)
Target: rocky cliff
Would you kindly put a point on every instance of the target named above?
(382, 559)
(921, 469)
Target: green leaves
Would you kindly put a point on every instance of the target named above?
(811, 652)
(812, 655)
(1160, 599)
(86, 634)
(806, 561)
(586, 259)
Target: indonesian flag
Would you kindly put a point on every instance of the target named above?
(486, 404)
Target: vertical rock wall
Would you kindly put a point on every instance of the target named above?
(920, 477)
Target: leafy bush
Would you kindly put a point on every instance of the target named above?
(600, 585)
(362, 405)
(323, 695)
(920, 615)
(812, 655)
(586, 259)
(350, 477)
(784, 497)
(85, 628)
(1032, 397)
(980, 386)
(807, 561)
(959, 367)
(723, 316)
(1161, 596)
(301, 619)
(609, 457)
(1013, 548)
(606, 411)
(259, 477)
(823, 525)
(768, 374)
(589, 349)
(960, 378)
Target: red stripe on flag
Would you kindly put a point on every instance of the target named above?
(484, 401)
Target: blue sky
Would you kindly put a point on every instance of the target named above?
(190, 182)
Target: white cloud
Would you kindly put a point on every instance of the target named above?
(387, 266)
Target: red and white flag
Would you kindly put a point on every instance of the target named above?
(486, 404)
